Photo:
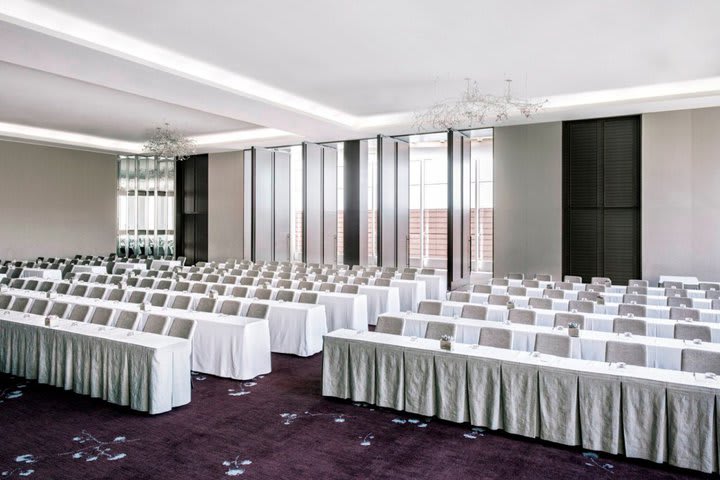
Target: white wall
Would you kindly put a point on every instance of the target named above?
(225, 206)
(681, 194)
(528, 199)
(56, 202)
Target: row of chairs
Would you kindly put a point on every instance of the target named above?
(692, 360)
(158, 324)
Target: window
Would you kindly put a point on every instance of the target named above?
(146, 206)
(481, 199)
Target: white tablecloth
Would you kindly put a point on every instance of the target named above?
(156, 264)
(658, 415)
(149, 373)
(380, 300)
(41, 273)
(96, 269)
(435, 285)
(411, 293)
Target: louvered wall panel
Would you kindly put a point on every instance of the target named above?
(584, 151)
(622, 252)
(583, 242)
(621, 162)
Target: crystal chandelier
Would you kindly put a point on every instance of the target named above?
(473, 108)
(169, 143)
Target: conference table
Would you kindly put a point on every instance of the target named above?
(411, 293)
(156, 264)
(658, 415)
(146, 372)
(128, 266)
(609, 299)
(590, 345)
(657, 327)
(94, 269)
(225, 346)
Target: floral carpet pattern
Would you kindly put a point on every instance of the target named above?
(275, 426)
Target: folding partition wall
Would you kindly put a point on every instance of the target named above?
(459, 233)
(319, 203)
(192, 209)
(269, 204)
(393, 202)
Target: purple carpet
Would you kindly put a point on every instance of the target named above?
(277, 426)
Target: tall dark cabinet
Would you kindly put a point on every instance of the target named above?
(192, 209)
(601, 198)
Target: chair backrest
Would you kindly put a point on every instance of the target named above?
(582, 306)
(482, 289)
(354, 289)
(239, 291)
(390, 324)
(553, 344)
(21, 304)
(601, 281)
(79, 291)
(625, 309)
(45, 286)
(115, 279)
(541, 303)
(285, 295)
(127, 320)
(230, 307)
(157, 324)
(212, 278)
(633, 299)
(230, 279)
(635, 326)
(522, 316)
(258, 310)
(498, 299)
(676, 292)
(164, 285)
(146, 283)
(40, 307)
(116, 295)
(516, 276)
(430, 307)
(263, 293)
(702, 361)
(712, 294)
(709, 286)
(133, 281)
(474, 312)
(17, 283)
(96, 292)
(195, 277)
(284, 284)
(531, 283)
(31, 285)
(496, 337)
(79, 313)
(382, 282)
(427, 271)
(626, 352)
(247, 281)
(684, 302)
(517, 291)
(463, 297)
(101, 316)
(501, 282)
(637, 290)
(672, 285)
(158, 299)
(589, 296)
(563, 319)
(572, 279)
(59, 309)
(328, 287)
(137, 297)
(152, 274)
(552, 293)
(308, 297)
(595, 287)
(435, 330)
(84, 277)
(688, 331)
(206, 304)
(638, 283)
(680, 313)
(182, 328)
(361, 281)
(181, 302)
(200, 288)
(407, 276)
(543, 277)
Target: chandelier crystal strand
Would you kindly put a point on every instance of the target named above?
(473, 108)
(169, 143)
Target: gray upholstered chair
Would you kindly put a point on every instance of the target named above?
(582, 306)
(541, 303)
(31, 285)
(637, 290)
(430, 307)
(522, 316)
(688, 331)
(40, 307)
(354, 289)
(531, 283)
(676, 292)
(516, 276)
(182, 328)
(553, 344)
(589, 296)
(229, 279)
(96, 293)
(45, 287)
(117, 295)
(496, 337)
(498, 299)
(200, 288)
(327, 287)
(308, 297)
(563, 319)
(137, 297)
(667, 285)
(285, 296)
(163, 284)
(21, 304)
(552, 293)
(638, 283)
(517, 291)
(304, 285)
(630, 325)
(284, 284)
(435, 330)
(482, 289)
(181, 302)
(680, 313)
(626, 352)
(626, 310)
(101, 316)
(79, 291)
(572, 279)
(59, 309)
(601, 281)
(463, 297)
(563, 286)
(158, 299)
(127, 320)
(17, 283)
(390, 324)
(474, 312)
(500, 282)
(595, 287)
(702, 361)
(79, 313)
(206, 304)
(219, 288)
(258, 310)
(543, 277)
(684, 302)
(382, 282)
(361, 281)
(157, 324)
(239, 291)
(146, 283)
(230, 307)
(427, 271)
(709, 286)
(263, 293)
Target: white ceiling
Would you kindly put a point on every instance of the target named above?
(335, 69)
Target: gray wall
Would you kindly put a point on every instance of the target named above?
(225, 206)
(56, 201)
(528, 199)
(680, 201)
